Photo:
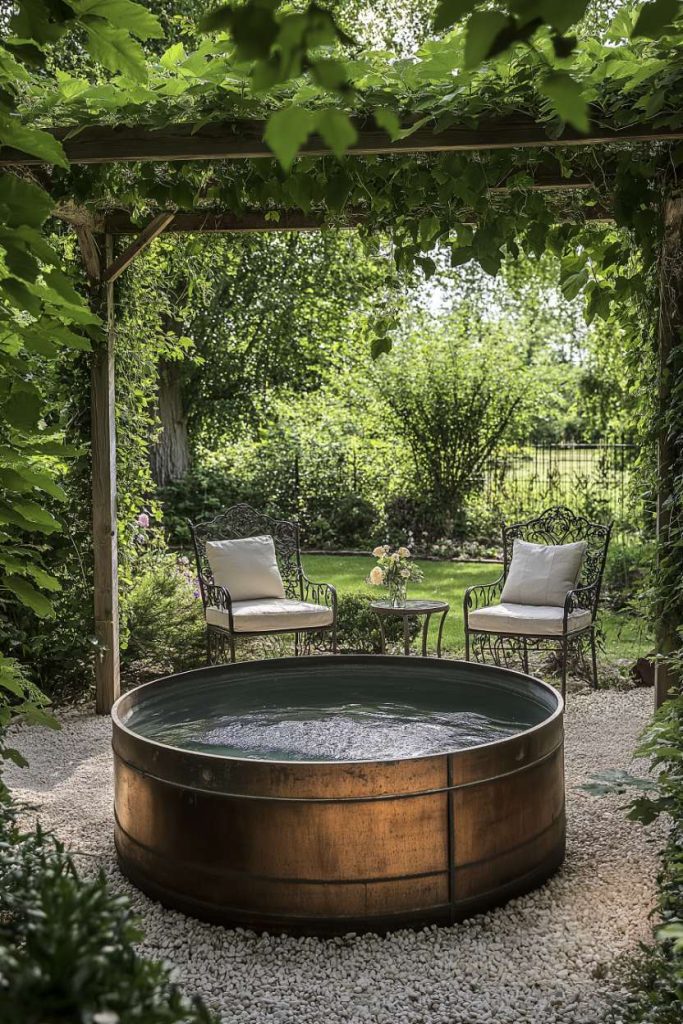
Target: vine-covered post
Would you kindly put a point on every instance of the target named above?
(669, 606)
(103, 455)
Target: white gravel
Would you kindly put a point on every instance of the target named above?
(547, 957)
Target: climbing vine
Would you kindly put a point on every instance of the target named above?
(299, 69)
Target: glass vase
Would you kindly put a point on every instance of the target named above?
(397, 593)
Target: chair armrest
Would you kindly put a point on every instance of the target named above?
(581, 598)
(318, 593)
(481, 594)
(215, 596)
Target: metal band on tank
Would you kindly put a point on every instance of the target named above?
(346, 799)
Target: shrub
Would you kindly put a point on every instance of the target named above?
(67, 944)
(659, 992)
(626, 573)
(161, 617)
(347, 521)
(358, 627)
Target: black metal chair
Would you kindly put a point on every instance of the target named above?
(302, 596)
(572, 627)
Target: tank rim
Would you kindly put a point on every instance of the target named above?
(208, 758)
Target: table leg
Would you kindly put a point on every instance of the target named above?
(425, 629)
(438, 639)
(406, 635)
(382, 638)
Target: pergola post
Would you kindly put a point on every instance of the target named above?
(669, 455)
(104, 526)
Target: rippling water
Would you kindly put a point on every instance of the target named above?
(345, 732)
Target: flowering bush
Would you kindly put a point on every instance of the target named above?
(394, 570)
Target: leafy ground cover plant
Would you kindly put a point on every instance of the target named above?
(67, 944)
(657, 983)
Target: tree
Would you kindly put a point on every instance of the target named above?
(454, 403)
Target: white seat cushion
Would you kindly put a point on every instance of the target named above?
(542, 574)
(527, 618)
(247, 568)
(268, 614)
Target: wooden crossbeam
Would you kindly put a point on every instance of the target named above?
(144, 239)
(211, 221)
(243, 139)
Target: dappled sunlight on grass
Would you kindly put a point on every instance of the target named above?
(625, 635)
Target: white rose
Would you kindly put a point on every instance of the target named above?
(405, 573)
(404, 552)
(378, 551)
(376, 576)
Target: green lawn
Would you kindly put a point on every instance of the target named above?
(625, 635)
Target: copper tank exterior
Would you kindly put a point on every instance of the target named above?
(331, 847)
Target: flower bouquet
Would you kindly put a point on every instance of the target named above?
(394, 570)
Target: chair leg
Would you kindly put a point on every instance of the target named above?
(232, 650)
(467, 645)
(334, 639)
(208, 647)
(525, 656)
(296, 645)
(594, 658)
(564, 667)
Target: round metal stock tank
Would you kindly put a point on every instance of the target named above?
(324, 847)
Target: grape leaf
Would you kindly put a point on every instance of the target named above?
(567, 99)
(286, 132)
(115, 49)
(655, 18)
(336, 129)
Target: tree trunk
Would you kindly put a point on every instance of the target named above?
(670, 444)
(170, 456)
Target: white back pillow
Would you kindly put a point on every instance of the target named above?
(542, 574)
(246, 568)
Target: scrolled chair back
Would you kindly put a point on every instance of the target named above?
(241, 521)
(559, 525)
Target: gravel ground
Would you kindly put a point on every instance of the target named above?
(551, 956)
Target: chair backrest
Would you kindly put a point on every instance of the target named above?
(242, 521)
(560, 525)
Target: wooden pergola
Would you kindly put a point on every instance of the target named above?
(243, 140)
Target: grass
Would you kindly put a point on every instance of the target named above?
(625, 635)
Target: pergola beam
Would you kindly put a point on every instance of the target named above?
(243, 140)
(213, 221)
(144, 239)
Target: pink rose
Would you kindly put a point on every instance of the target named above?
(143, 520)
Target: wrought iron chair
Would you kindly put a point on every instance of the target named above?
(223, 615)
(574, 628)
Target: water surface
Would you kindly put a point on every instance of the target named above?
(336, 710)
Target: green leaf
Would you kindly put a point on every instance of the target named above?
(32, 141)
(450, 11)
(482, 30)
(23, 203)
(252, 26)
(114, 49)
(567, 99)
(330, 74)
(388, 119)
(561, 14)
(10, 754)
(34, 515)
(44, 23)
(336, 129)
(23, 408)
(286, 132)
(125, 14)
(655, 18)
(379, 346)
(461, 254)
(28, 595)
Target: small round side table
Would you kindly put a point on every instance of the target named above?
(383, 609)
